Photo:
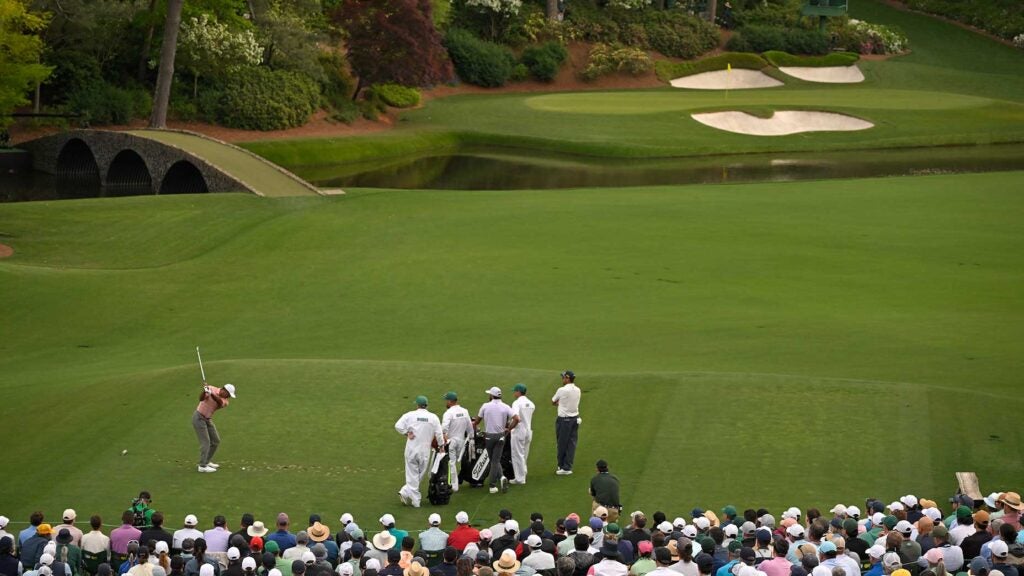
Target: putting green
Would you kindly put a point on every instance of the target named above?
(653, 102)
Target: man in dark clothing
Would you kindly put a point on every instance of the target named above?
(447, 565)
(604, 489)
(584, 560)
(32, 549)
(157, 532)
(247, 520)
(854, 544)
(559, 534)
(507, 542)
(637, 531)
(972, 544)
(392, 569)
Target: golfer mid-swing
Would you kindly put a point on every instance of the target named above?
(210, 400)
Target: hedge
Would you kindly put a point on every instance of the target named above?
(777, 58)
(258, 98)
(396, 95)
(793, 40)
(477, 61)
(670, 70)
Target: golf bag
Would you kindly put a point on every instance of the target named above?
(476, 463)
(439, 492)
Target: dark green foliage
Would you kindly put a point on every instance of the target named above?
(337, 86)
(1004, 18)
(778, 13)
(672, 32)
(478, 61)
(669, 70)
(675, 34)
(519, 73)
(397, 96)
(792, 40)
(259, 98)
(777, 58)
(101, 103)
(543, 61)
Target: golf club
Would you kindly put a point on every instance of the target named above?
(201, 371)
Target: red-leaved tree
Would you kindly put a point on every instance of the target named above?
(393, 41)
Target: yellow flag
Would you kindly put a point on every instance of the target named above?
(728, 67)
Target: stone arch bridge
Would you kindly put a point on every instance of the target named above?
(157, 162)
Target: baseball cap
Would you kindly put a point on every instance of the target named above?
(191, 520)
(978, 566)
(346, 518)
(702, 523)
(357, 548)
(373, 564)
(934, 555)
(533, 541)
(704, 562)
(421, 400)
(827, 547)
(963, 512)
(387, 519)
(571, 524)
(896, 506)
(248, 563)
(981, 516)
(494, 391)
(434, 519)
(909, 500)
(730, 530)
(298, 567)
(4, 520)
(46, 559)
(729, 510)
(511, 526)
(600, 512)
(161, 546)
(889, 522)
(690, 531)
(763, 535)
(999, 549)
(344, 569)
(233, 553)
(747, 555)
(308, 557)
(462, 517)
(231, 390)
(206, 570)
(586, 531)
(838, 509)
(69, 515)
(735, 546)
(940, 530)
(767, 520)
(852, 511)
(678, 523)
(483, 557)
(891, 560)
(451, 396)
(612, 528)
(596, 524)
(272, 546)
(696, 513)
(901, 572)
(796, 531)
(568, 373)
(520, 387)
(904, 527)
(932, 513)
(666, 527)
(748, 528)
(876, 551)
(645, 546)
(486, 534)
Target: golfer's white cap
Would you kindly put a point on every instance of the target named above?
(248, 563)
(344, 569)
(69, 515)
(434, 519)
(462, 517)
(3, 521)
(191, 520)
(233, 553)
(161, 546)
(231, 390)
(346, 518)
(387, 519)
(46, 559)
(494, 391)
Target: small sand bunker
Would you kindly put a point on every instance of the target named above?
(827, 74)
(782, 123)
(735, 79)
(6, 251)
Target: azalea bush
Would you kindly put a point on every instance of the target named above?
(868, 38)
(607, 59)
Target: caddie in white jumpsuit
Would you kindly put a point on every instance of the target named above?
(457, 427)
(420, 427)
(522, 434)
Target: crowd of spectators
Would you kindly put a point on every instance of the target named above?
(908, 537)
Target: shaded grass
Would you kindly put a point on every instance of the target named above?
(667, 70)
(777, 58)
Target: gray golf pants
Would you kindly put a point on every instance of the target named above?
(208, 437)
(566, 430)
(495, 446)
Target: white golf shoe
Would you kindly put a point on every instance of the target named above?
(213, 465)
(493, 490)
(206, 469)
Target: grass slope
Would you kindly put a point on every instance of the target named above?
(751, 332)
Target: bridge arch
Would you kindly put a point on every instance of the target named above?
(183, 178)
(77, 172)
(128, 175)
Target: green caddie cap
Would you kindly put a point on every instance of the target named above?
(452, 396)
(421, 400)
(520, 387)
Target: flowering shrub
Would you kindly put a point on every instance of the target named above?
(609, 58)
(629, 4)
(877, 39)
(207, 47)
(1018, 40)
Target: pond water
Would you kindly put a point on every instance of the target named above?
(494, 169)
(505, 170)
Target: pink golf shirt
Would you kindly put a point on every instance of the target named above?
(208, 406)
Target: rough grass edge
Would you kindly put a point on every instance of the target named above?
(668, 71)
(778, 58)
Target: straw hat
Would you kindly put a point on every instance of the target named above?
(416, 569)
(257, 529)
(1012, 499)
(383, 540)
(507, 562)
(318, 532)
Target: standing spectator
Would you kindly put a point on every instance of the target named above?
(187, 531)
(604, 490)
(95, 546)
(498, 420)
(421, 428)
(282, 536)
(218, 536)
(34, 520)
(32, 548)
(69, 523)
(156, 531)
(142, 511)
(67, 552)
(567, 423)
(1000, 557)
(962, 527)
(9, 564)
(457, 427)
(463, 533)
(522, 433)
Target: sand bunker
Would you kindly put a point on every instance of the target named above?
(828, 74)
(6, 251)
(782, 123)
(735, 79)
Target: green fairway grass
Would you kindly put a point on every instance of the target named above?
(770, 344)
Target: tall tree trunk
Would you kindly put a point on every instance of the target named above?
(552, 10)
(162, 96)
(144, 56)
(712, 10)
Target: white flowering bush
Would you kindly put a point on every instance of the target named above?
(1018, 41)
(506, 7)
(207, 47)
(629, 4)
(878, 39)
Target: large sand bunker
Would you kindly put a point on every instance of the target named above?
(827, 74)
(735, 79)
(781, 123)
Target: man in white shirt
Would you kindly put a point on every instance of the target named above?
(69, 523)
(189, 531)
(522, 434)
(420, 428)
(567, 424)
(457, 427)
(538, 559)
